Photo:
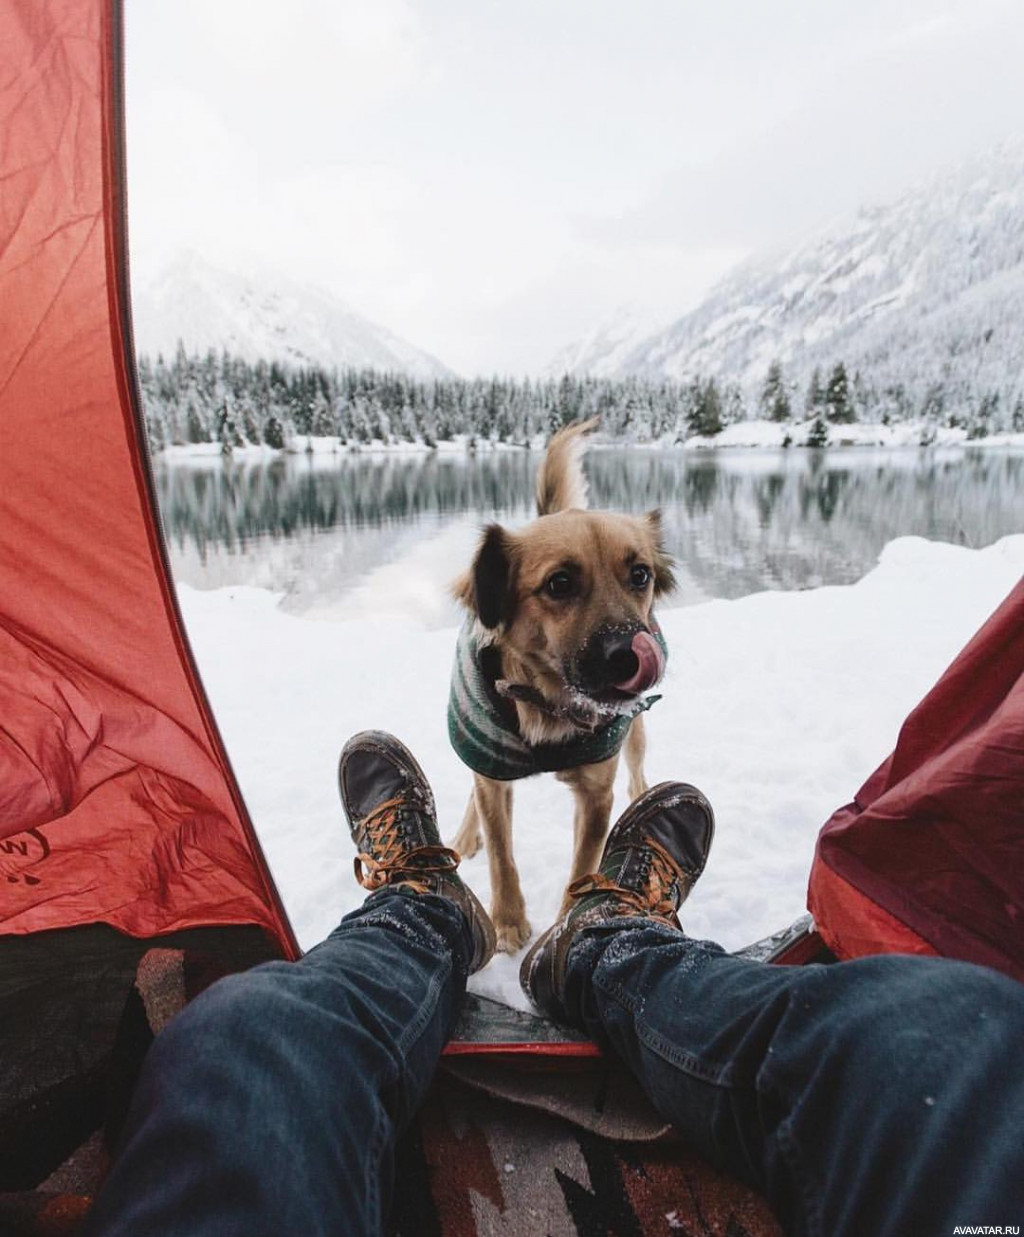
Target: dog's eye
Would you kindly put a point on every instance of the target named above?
(558, 584)
(639, 575)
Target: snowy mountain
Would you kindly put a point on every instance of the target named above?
(605, 349)
(923, 298)
(263, 319)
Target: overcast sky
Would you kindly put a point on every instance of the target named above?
(490, 179)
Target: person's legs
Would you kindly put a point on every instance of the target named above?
(882, 1096)
(272, 1103)
(874, 1097)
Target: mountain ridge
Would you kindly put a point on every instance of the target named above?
(270, 317)
(922, 296)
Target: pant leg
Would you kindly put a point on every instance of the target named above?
(864, 1099)
(272, 1103)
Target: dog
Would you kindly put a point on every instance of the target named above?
(558, 647)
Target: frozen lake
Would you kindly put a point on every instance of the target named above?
(351, 536)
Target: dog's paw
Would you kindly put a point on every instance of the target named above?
(467, 843)
(512, 936)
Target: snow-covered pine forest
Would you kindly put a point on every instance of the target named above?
(220, 398)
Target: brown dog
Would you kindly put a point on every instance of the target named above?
(558, 648)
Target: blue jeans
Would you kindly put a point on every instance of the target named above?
(884, 1096)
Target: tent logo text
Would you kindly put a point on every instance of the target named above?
(20, 853)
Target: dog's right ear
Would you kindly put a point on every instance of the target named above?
(486, 589)
(664, 576)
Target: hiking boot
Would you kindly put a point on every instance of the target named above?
(652, 858)
(391, 815)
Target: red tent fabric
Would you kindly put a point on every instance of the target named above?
(117, 802)
(929, 857)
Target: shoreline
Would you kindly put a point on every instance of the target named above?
(743, 436)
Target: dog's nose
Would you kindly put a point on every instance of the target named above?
(620, 661)
(609, 658)
(629, 660)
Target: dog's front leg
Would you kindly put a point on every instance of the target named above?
(593, 789)
(508, 909)
(467, 840)
(635, 750)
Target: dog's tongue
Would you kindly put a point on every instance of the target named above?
(651, 663)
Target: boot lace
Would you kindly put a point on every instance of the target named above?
(389, 857)
(659, 884)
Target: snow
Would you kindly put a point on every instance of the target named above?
(768, 434)
(329, 445)
(777, 706)
(608, 344)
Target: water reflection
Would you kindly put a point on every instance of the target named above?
(738, 522)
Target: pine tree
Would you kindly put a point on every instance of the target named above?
(250, 423)
(899, 401)
(734, 409)
(838, 404)
(705, 416)
(322, 419)
(863, 397)
(817, 435)
(984, 417)
(227, 431)
(934, 403)
(273, 433)
(815, 395)
(566, 406)
(197, 430)
(774, 396)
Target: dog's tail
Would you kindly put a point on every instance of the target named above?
(560, 481)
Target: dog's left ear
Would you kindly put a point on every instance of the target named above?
(664, 576)
(486, 588)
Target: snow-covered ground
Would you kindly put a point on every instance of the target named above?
(858, 434)
(331, 445)
(777, 705)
